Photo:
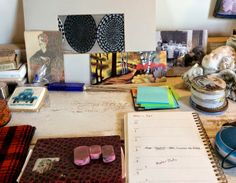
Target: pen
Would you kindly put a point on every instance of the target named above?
(23, 168)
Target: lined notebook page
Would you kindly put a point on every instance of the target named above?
(166, 147)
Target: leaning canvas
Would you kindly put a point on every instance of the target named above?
(44, 56)
(128, 67)
(139, 17)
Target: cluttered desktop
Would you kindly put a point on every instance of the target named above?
(93, 97)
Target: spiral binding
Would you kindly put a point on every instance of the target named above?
(210, 150)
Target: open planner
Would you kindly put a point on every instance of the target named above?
(170, 148)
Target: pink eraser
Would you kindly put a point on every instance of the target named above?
(81, 155)
(108, 153)
(95, 151)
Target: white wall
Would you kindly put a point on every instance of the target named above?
(170, 14)
(11, 21)
(191, 14)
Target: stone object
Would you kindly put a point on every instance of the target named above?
(95, 151)
(108, 153)
(229, 77)
(219, 59)
(81, 155)
(232, 41)
(188, 76)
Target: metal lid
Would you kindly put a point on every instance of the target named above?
(208, 84)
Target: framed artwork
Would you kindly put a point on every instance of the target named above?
(128, 67)
(184, 48)
(92, 33)
(225, 9)
(44, 56)
(139, 25)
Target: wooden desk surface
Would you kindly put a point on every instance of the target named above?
(70, 114)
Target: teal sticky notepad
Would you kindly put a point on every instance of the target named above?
(171, 105)
(152, 95)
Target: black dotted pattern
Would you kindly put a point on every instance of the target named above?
(80, 32)
(61, 28)
(110, 33)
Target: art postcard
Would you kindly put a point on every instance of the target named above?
(128, 67)
(225, 9)
(184, 48)
(44, 56)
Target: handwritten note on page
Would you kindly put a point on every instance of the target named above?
(166, 147)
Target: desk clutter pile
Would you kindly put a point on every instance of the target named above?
(93, 50)
(49, 163)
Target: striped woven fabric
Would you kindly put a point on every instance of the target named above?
(14, 145)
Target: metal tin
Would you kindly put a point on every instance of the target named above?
(208, 97)
(218, 110)
(3, 90)
(210, 104)
(209, 85)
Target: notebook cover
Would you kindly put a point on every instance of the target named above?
(65, 170)
(138, 107)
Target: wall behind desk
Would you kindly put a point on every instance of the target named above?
(170, 14)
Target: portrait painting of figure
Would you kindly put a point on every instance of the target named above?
(44, 56)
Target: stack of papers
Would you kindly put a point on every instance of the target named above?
(153, 97)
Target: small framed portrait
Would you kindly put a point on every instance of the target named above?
(225, 9)
(44, 56)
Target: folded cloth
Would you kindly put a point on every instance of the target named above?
(14, 145)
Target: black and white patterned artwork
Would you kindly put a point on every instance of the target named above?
(80, 32)
(92, 33)
(61, 28)
(110, 33)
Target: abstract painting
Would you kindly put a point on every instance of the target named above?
(110, 33)
(92, 33)
(128, 67)
(80, 32)
(44, 56)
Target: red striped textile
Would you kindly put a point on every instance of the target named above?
(14, 145)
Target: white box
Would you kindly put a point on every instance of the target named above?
(77, 68)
